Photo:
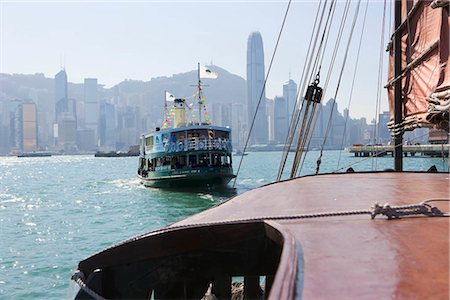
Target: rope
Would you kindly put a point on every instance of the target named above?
(330, 70)
(379, 86)
(299, 103)
(353, 83)
(78, 277)
(333, 60)
(376, 209)
(262, 91)
(304, 134)
(319, 159)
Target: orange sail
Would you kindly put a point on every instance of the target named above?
(425, 71)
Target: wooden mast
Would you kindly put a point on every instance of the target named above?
(398, 115)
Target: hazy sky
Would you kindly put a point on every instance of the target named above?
(116, 40)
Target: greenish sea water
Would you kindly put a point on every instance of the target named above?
(55, 211)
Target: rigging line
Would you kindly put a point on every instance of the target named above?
(263, 89)
(337, 45)
(323, 43)
(379, 85)
(299, 151)
(298, 103)
(304, 134)
(336, 48)
(338, 85)
(378, 153)
(390, 18)
(316, 118)
(353, 82)
(326, 43)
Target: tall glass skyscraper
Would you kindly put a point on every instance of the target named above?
(91, 106)
(255, 84)
(61, 97)
(290, 94)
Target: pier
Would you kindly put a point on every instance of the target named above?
(408, 150)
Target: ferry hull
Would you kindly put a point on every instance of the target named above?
(207, 180)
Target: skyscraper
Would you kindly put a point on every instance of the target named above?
(61, 95)
(290, 95)
(91, 106)
(255, 84)
(281, 121)
(27, 127)
(107, 126)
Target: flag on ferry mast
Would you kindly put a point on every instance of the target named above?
(169, 97)
(206, 72)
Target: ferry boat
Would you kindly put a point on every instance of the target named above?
(190, 154)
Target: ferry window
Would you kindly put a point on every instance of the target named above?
(192, 160)
(226, 160)
(216, 159)
(165, 137)
(202, 133)
(158, 162)
(149, 141)
(203, 159)
(166, 161)
(223, 135)
(182, 160)
(179, 135)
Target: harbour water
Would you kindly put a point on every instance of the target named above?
(55, 211)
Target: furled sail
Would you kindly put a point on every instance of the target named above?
(425, 71)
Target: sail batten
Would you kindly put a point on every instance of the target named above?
(425, 70)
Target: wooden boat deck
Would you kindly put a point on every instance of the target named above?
(350, 257)
(338, 257)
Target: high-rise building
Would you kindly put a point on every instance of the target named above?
(290, 95)
(27, 127)
(91, 106)
(107, 127)
(255, 89)
(61, 95)
(4, 126)
(65, 125)
(281, 120)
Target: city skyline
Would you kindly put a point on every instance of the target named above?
(90, 117)
(113, 41)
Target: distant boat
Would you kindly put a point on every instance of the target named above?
(188, 155)
(240, 153)
(34, 154)
(115, 154)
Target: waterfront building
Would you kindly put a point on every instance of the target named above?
(67, 132)
(128, 129)
(85, 140)
(91, 106)
(281, 120)
(26, 134)
(239, 128)
(382, 129)
(270, 108)
(290, 96)
(255, 92)
(61, 94)
(107, 126)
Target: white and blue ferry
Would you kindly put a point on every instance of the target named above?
(190, 154)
